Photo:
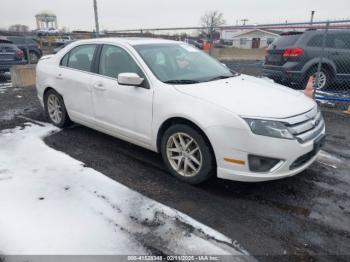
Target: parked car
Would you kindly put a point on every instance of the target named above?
(194, 43)
(48, 31)
(174, 99)
(293, 57)
(10, 55)
(63, 40)
(23, 42)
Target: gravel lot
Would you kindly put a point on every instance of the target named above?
(306, 216)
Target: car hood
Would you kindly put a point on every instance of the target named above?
(250, 96)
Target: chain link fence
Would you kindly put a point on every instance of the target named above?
(5, 81)
(289, 54)
(321, 53)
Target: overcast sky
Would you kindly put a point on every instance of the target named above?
(130, 14)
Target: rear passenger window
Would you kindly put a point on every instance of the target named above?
(316, 41)
(81, 57)
(342, 41)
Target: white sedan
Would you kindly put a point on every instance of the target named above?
(174, 99)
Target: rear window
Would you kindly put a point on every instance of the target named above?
(286, 40)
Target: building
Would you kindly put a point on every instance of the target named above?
(249, 38)
(19, 28)
(46, 20)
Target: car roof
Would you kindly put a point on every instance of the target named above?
(4, 39)
(128, 40)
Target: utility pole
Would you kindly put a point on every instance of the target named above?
(97, 27)
(244, 20)
(312, 17)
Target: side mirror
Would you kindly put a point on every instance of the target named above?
(130, 79)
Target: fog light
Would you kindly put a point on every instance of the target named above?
(262, 164)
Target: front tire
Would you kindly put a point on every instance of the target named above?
(186, 154)
(55, 109)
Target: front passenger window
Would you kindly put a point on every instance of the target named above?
(115, 60)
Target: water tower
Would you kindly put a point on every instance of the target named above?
(46, 20)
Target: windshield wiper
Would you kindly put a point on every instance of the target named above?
(219, 78)
(182, 81)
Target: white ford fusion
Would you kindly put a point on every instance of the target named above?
(174, 99)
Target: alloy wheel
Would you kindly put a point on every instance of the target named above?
(54, 108)
(321, 81)
(184, 154)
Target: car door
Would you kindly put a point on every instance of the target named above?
(123, 110)
(74, 78)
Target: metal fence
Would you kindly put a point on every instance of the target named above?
(288, 53)
(321, 53)
(5, 82)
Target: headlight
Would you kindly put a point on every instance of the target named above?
(269, 128)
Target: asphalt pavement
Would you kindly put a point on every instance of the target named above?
(302, 218)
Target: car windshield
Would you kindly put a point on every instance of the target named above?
(182, 63)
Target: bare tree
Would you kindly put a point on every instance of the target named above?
(210, 21)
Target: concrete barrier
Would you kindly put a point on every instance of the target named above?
(23, 75)
(232, 53)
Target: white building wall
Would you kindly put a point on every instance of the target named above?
(245, 41)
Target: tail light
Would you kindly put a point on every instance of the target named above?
(19, 54)
(292, 52)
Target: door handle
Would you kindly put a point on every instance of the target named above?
(99, 86)
(59, 76)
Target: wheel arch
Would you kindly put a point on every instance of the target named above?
(182, 120)
(48, 88)
(327, 64)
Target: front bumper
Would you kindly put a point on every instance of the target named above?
(230, 143)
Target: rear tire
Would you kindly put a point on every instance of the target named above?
(55, 109)
(186, 154)
(33, 57)
(325, 78)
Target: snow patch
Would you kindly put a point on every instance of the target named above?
(51, 203)
(4, 86)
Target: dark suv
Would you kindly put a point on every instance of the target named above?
(293, 57)
(33, 47)
(9, 55)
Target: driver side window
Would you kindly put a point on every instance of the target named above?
(115, 60)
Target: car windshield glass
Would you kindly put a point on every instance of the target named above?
(182, 64)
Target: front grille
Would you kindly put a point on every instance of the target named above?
(310, 126)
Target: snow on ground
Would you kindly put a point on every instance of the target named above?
(4, 86)
(328, 159)
(51, 203)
